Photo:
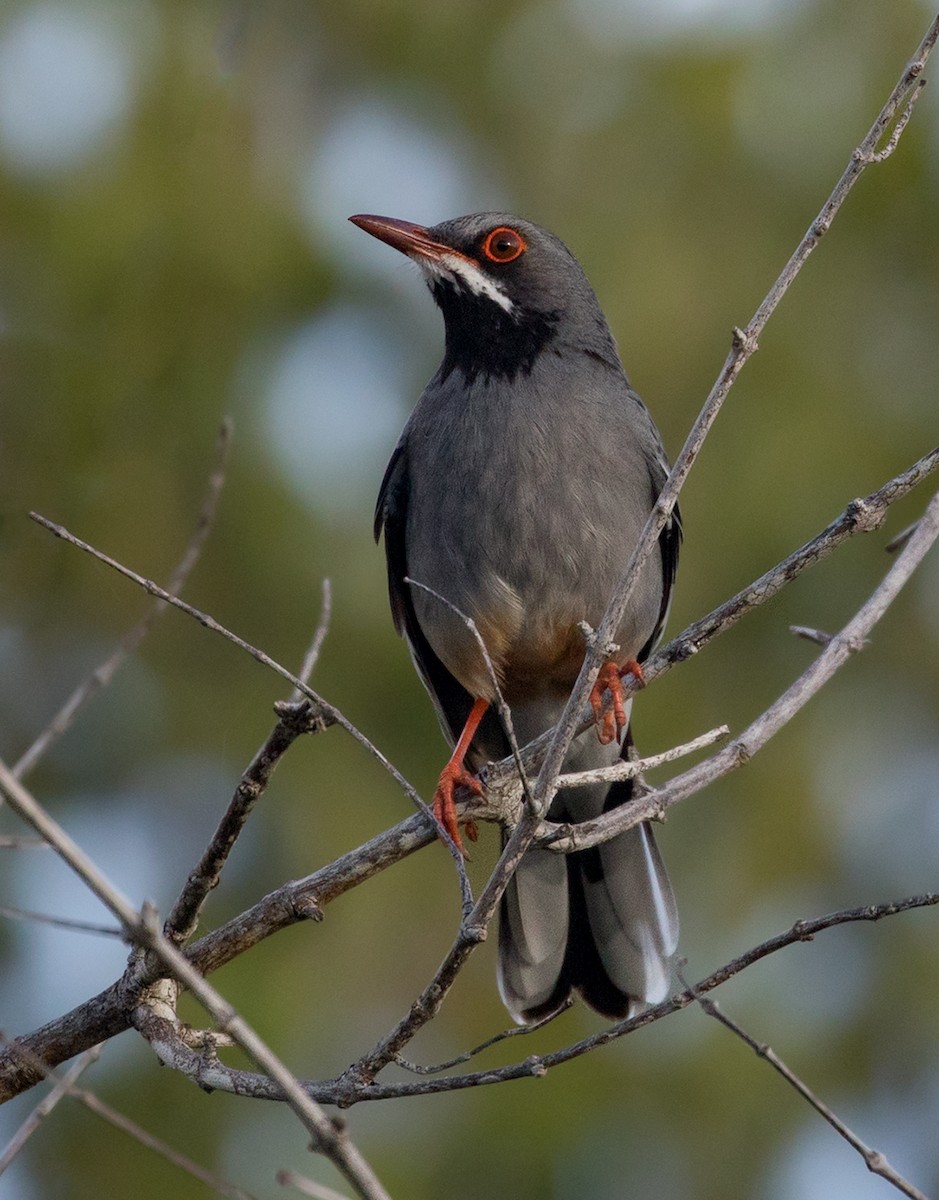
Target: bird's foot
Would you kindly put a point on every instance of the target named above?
(452, 776)
(611, 719)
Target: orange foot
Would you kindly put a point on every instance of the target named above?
(611, 721)
(452, 776)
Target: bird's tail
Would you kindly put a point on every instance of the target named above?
(602, 921)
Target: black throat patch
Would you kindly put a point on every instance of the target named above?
(482, 339)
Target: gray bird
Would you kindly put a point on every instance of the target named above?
(517, 492)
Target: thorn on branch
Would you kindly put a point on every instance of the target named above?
(863, 516)
(536, 1066)
(743, 341)
(303, 716)
(741, 751)
(307, 908)
(821, 638)
(474, 933)
(901, 539)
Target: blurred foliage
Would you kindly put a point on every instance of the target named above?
(146, 290)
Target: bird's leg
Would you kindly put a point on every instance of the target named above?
(455, 774)
(611, 721)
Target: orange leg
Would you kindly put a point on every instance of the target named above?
(611, 721)
(455, 775)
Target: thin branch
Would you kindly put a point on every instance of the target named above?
(860, 516)
(899, 541)
(45, 1106)
(326, 712)
(505, 714)
(630, 769)
(851, 638)
(311, 658)
(293, 721)
(65, 1086)
(878, 156)
(745, 344)
(599, 648)
(307, 1187)
(103, 1016)
(876, 1162)
(818, 636)
(567, 838)
(347, 1090)
(514, 1031)
(25, 914)
(103, 674)
(142, 930)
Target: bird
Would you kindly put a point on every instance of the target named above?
(515, 496)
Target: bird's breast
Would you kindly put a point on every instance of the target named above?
(522, 518)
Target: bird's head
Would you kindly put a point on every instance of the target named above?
(508, 289)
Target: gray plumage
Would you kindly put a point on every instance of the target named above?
(518, 490)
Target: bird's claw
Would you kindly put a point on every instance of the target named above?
(611, 719)
(455, 775)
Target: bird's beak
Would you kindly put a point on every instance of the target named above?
(413, 240)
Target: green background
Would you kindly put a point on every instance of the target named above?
(188, 258)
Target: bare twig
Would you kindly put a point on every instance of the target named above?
(45, 1106)
(327, 713)
(103, 674)
(312, 655)
(745, 344)
(103, 1015)
(630, 769)
(818, 636)
(514, 1031)
(347, 1090)
(899, 540)
(861, 516)
(296, 717)
(65, 1086)
(293, 720)
(875, 1160)
(143, 931)
(24, 914)
(652, 804)
(655, 801)
(307, 1187)
(505, 715)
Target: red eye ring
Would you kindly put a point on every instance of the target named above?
(504, 245)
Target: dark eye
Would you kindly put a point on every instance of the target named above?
(504, 245)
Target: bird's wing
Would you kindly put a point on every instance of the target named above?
(669, 540)
(451, 700)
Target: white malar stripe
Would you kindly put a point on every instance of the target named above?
(461, 270)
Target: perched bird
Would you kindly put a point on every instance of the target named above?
(517, 492)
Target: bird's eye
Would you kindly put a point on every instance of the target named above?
(504, 245)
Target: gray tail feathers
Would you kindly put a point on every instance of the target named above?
(602, 921)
